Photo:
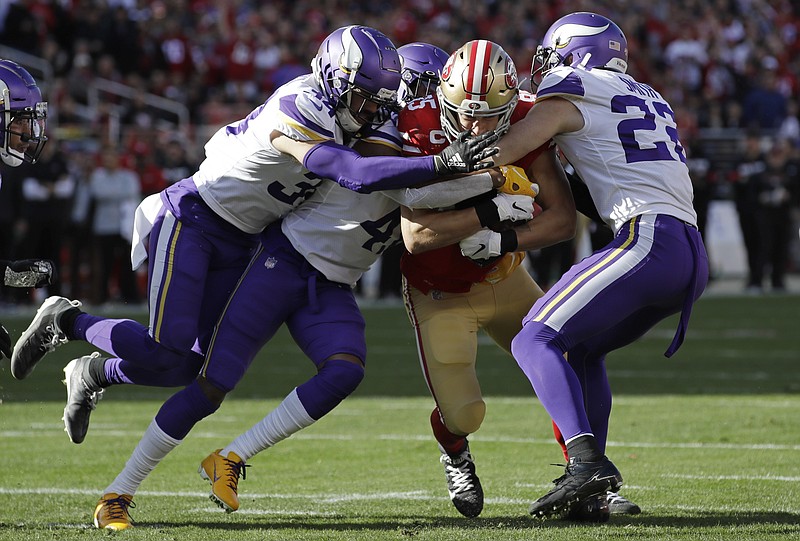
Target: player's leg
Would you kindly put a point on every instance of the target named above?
(648, 264)
(329, 328)
(446, 329)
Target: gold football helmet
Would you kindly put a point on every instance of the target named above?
(479, 79)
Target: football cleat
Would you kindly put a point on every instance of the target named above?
(463, 484)
(111, 512)
(517, 182)
(619, 505)
(41, 337)
(82, 398)
(592, 509)
(580, 481)
(223, 474)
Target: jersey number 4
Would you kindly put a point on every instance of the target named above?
(655, 147)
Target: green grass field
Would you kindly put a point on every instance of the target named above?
(708, 443)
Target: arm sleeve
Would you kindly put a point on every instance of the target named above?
(367, 174)
(443, 194)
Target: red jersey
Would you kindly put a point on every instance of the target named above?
(445, 269)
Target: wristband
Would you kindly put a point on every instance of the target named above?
(508, 241)
(488, 213)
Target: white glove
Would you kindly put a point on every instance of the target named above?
(485, 244)
(514, 207)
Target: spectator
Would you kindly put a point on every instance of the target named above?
(115, 193)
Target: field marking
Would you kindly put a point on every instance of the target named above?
(40, 430)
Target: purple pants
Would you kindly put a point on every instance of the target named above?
(280, 286)
(195, 259)
(656, 266)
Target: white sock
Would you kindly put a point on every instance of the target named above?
(289, 417)
(153, 447)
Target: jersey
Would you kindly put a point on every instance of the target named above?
(446, 269)
(628, 152)
(250, 183)
(342, 232)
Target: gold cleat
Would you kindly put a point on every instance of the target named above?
(111, 512)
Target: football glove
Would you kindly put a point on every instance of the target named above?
(517, 182)
(486, 245)
(466, 154)
(28, 273)
(5, 343)
(503, 208)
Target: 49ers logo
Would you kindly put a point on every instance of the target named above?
(511, 74)
(447, 70)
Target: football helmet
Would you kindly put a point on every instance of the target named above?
(23, 115)
(422, 63)
(478, 80)
(581, 39)
(358, 60)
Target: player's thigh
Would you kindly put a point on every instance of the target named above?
(329, 323)
(261, 302)
(514, 297)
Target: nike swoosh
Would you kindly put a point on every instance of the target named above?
(514, 206)
(215, 477)
(481, 247)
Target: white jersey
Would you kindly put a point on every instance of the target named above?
(246, 180)
(342, 232)
(628, 152)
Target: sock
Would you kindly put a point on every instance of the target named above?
(584, 448)
(449, 443)
(152, 448)
(289, 417)
(67, 323)
(327, 388)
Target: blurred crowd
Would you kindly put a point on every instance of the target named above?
(727, 66)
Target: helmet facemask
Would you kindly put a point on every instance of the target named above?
(26, 126)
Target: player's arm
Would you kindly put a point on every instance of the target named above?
(426, 229)
(556, 222)
(367, 174)
(547, 118)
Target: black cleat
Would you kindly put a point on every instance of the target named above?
(581, 480)
(463, 484)
(592, 509)
(619, 505)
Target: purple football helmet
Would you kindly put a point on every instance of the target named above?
(422, 64)
(581, 39)
(358, 60)
(22, 115)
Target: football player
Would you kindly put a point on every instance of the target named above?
(655, 266)
(288, 279)
(448, 296)
(200, 233)
(23, 117)
(422, 65)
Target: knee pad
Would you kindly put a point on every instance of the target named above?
(465, 419)
(334, 382)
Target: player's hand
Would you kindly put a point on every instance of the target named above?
(517, 182)
(29, 273)
(513, 207)
(466, 154)
(483, 245)
(5, 343)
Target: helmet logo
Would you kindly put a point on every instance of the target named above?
(448, 68)
(474, 105)
(565, 33)
(511, 74)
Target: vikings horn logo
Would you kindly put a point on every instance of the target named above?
(564, 33)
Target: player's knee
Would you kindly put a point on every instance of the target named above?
(214, 394)
(341, 374)
(467, 418)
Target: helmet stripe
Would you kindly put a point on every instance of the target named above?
(477, 80)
